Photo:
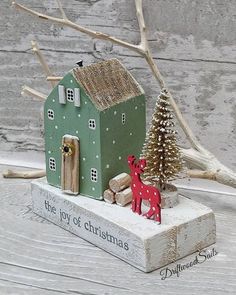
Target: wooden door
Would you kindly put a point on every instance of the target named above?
(70, 164)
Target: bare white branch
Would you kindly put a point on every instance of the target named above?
(42, 61)
(61, 9)
(72, 25)
(24, 174)
(201, 174)
(30, 91)
(54, 78)
(210, 166)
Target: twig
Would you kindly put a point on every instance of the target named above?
(54, 78)
(148, 56)
(24, 174)
(41, 59)
(87, 31)
(62, 10)
(31, 91)
(144, 44)
(209, 164)
(201, 174)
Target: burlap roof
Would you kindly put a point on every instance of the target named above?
(107, 83)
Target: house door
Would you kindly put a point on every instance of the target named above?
(70, 164)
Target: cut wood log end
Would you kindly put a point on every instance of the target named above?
(124, 197)
(109, 196)
(120, 182)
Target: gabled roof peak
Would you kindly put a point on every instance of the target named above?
(107, 83)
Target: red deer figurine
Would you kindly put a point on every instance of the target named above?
(142, 191)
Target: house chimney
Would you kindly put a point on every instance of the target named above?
(80, 63)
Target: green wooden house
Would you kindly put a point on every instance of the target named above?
(94, 118)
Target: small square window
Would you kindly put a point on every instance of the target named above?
(92, 124)
(94, 175)
(50, 114)
(70, 94)
(123, 118)
(52, 164)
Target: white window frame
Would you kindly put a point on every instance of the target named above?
(50, 113)
(92, 124)
(123, 118)
(52, 164)
(70, 95)
(93, 175)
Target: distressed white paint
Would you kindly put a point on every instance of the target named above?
(184, 229)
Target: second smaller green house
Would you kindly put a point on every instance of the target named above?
(94, 118)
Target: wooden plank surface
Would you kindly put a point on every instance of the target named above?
(38, 257)
(192, 41)
(185, 229)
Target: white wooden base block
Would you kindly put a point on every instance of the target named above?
(143, 243)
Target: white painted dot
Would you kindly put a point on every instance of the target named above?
(153, 208)
(93, 188)
(97, 156)
(59, 176)
(93, 142)
(147, 191)
(115, 112)
(155, 193)
(113, 141)
(149, 200)
(79, 115)
(49, 152)
(85, 102)
(119, 158)
(140, 193)
(107, 166)
(84, 159)
(64, 117)
(53, 100)
(76, 131)
(56, 127)
(82, 177)
(136, 173)
(131, 134)
(107, 129)
(71, 81)
(136, 107)
(50, 137)
(134, 185)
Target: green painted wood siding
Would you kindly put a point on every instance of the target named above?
(72, 120)
(121, 138)
(120, 131)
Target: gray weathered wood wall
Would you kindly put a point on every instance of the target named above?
(193, 42)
